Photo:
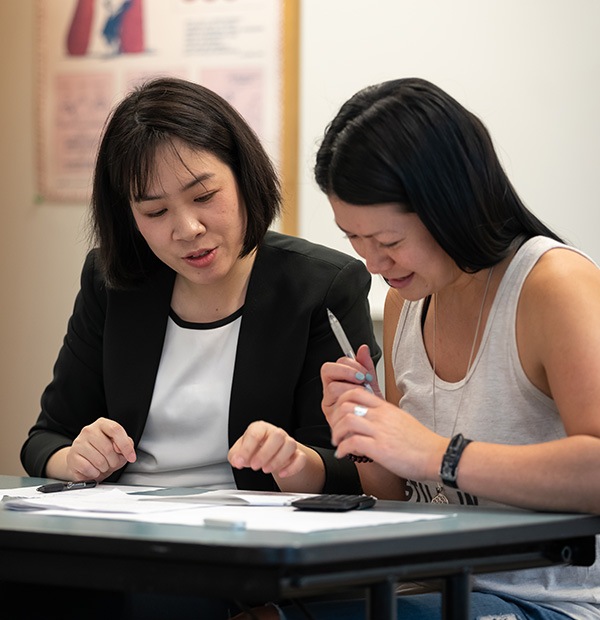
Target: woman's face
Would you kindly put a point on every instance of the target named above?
(396, 245)
(193, 216)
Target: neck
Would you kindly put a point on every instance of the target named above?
(206, 303)
(455, 326)
(465, 292)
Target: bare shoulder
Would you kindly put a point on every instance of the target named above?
(393, 302)
(561, 275)
(391, 313)
(557, 318)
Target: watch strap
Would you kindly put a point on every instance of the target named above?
(448, 470)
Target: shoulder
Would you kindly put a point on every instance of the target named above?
(94, 282)
(286, 247)
(557, 313)
(561, 291)
(561, 272)
(309, 264)
(308, 271)
(558, 332)
(92, 274)
(393, 303)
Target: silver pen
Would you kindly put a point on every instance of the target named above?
(343, 341)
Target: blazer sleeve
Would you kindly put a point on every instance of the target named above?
(75, 396)
(347, 298)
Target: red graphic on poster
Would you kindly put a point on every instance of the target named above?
(78, 38)
(123, 29)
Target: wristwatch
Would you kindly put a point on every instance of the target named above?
(450, 461)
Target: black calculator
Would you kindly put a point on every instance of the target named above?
(335, 503)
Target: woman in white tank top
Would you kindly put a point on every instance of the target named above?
(491, 338)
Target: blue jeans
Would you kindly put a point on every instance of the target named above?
(484, 606)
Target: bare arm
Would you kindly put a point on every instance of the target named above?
(558, 338)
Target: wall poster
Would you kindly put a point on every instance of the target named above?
(92, 52)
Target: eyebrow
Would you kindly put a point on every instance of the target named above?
(197, 180)
(346, 232)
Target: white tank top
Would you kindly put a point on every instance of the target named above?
(500, 405)
(185, 440)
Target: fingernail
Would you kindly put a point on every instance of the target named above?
(360, 376)
(336, 454)
(369, 377)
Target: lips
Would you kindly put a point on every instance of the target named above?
(198, 254)
(200, 258)
(401, 282)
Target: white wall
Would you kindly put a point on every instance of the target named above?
(529, 68)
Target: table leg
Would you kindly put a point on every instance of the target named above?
(456, 596)
(381, 601)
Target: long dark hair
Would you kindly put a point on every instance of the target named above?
(153, 115)
(407, 141)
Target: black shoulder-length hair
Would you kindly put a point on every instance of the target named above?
(153, 115)
(406, 141)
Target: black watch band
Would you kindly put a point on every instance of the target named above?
(450, 461)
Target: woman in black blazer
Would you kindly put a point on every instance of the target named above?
(183, 198)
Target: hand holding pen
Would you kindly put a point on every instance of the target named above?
(329, 381)
(345, 344)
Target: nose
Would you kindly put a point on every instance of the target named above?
(187, 227)
(377, 260)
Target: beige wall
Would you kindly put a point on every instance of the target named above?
(41, 246)
(528, 67)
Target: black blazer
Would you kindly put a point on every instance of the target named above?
(108, 363)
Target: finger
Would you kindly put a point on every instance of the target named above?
(347, 401)
(121, 442)
(295, 465)
(274, 452)
(87, 458)
(359, 396)
(344, 370)
(363, 355)
(357, 444)
(96, 445)
(247, 445)
(87, 463)
(83, 469)
(349, 425)
(339, 379)
(333, 392)
(234, 457)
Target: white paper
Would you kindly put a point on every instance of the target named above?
(288, 519)
(238, 498)
(97, 500)
(262, 511)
